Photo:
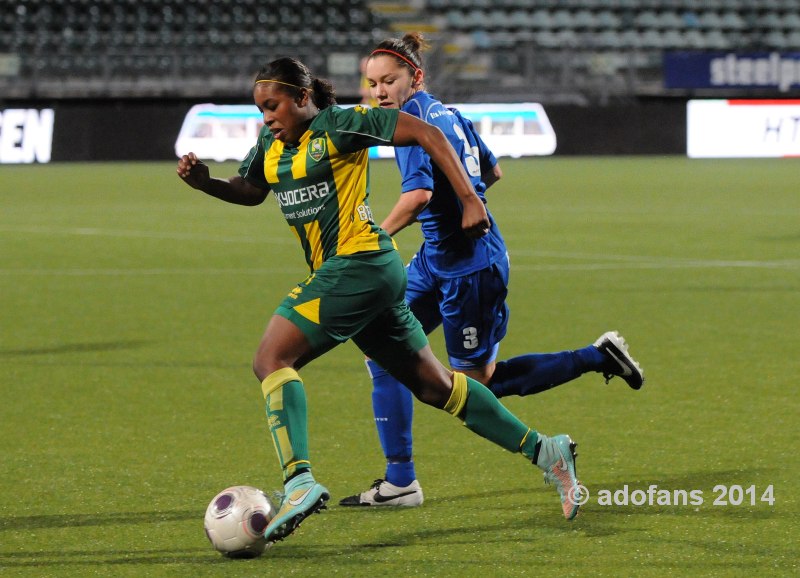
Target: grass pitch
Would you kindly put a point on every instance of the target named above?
(131, 307)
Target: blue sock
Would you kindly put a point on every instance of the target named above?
(393, 406)
(537, 372)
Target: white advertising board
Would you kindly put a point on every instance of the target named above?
(227, 132)
(26, 135)
(742, 128)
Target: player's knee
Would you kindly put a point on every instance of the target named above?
(260, 369)
(481, 374)
(434, 397)
(264, 365)
(435, 387)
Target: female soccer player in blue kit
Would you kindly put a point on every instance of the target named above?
(455, 281)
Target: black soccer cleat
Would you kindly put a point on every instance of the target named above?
(619, 362)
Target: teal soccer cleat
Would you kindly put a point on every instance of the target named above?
(556, 457)
(304, 496)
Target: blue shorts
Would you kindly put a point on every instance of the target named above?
(471, 309)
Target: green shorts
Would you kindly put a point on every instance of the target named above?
(359, 297)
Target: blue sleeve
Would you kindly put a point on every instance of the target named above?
(486, 157)
(415, 167)
(414, 163)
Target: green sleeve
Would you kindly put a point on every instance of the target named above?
(252, 167)
(362, 127)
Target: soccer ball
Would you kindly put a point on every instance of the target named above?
(236, 519)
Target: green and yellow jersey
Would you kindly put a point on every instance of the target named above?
(322, 185)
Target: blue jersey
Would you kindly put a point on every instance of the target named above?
(448, 251)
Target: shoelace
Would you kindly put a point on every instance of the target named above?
(377, 483)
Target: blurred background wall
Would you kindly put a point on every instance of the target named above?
(614, 76)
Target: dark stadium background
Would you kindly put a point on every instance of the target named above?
(122, 74)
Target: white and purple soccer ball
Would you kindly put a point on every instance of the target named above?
(236, 519)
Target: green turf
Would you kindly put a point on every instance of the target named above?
(130, 307)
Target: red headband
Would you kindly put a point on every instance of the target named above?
(398, 55)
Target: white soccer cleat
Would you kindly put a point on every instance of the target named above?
(382, 493)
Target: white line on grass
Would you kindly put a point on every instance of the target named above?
(608, 261)
(788, 264)
(598, 262)
(656, 265)
(146, 272)
(95, 232)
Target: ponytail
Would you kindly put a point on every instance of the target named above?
(293, 76)
(324, 95)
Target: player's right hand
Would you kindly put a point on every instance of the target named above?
(193, 171)
(474, 219)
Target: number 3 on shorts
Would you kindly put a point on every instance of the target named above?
(470, 337)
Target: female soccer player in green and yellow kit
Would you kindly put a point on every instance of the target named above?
(313, 157)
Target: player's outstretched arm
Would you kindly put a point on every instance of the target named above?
(412, 131)
(405, 211)
(195, 173)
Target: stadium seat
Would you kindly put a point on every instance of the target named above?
(457, 20)
(694, 39)
(791, 21)
(584, 19)
(606, 19)
(647, 19)
(673, 39)
(769, 20)
(716, 39)
(476, 18)
(690, 19)
(776, 39)
(670, 19)
(547, 38)
(607, 39)
(793, 39)
(541, 18)
(563, 19)
(568, 38)
(631, 39)
(496, 20)
(731, 21)
(710, 20)
(521, 19)
(652, 38)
